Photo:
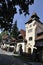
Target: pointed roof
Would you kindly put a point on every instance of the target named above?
(34, 16)
(5, 36)
(22, 33)
(40, 36)
(30, 20)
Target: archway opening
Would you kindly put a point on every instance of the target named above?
(29, 50)
(20, 49)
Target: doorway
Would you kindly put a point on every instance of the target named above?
(29, 50)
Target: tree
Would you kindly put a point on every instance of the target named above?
(0, 37)
(14, 32)
(8, 10)
(4, 33)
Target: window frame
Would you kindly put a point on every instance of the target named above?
(30, 38)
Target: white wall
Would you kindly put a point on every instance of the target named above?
(23, 46)
(37, 28)
(30, 34)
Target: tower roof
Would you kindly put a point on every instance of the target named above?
(34, 15)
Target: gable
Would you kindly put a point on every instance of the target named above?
(39, 27)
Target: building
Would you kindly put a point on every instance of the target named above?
(39, 41)
(20, 41)
(34, 27)
(8, 42)
(6, 39)
(39, 45)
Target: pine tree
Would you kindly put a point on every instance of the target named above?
(0, 37)
(14, 32)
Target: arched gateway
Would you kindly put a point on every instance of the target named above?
(29, 50)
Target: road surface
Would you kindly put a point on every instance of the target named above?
(6, 58)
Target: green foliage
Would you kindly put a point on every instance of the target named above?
(8, 10)
(4, 33)
(0, 37)
(14, 32)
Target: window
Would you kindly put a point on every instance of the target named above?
(29, 50)
(30, 38)
(30, 30)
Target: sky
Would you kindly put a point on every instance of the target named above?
(21, 19)
(36, 7)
